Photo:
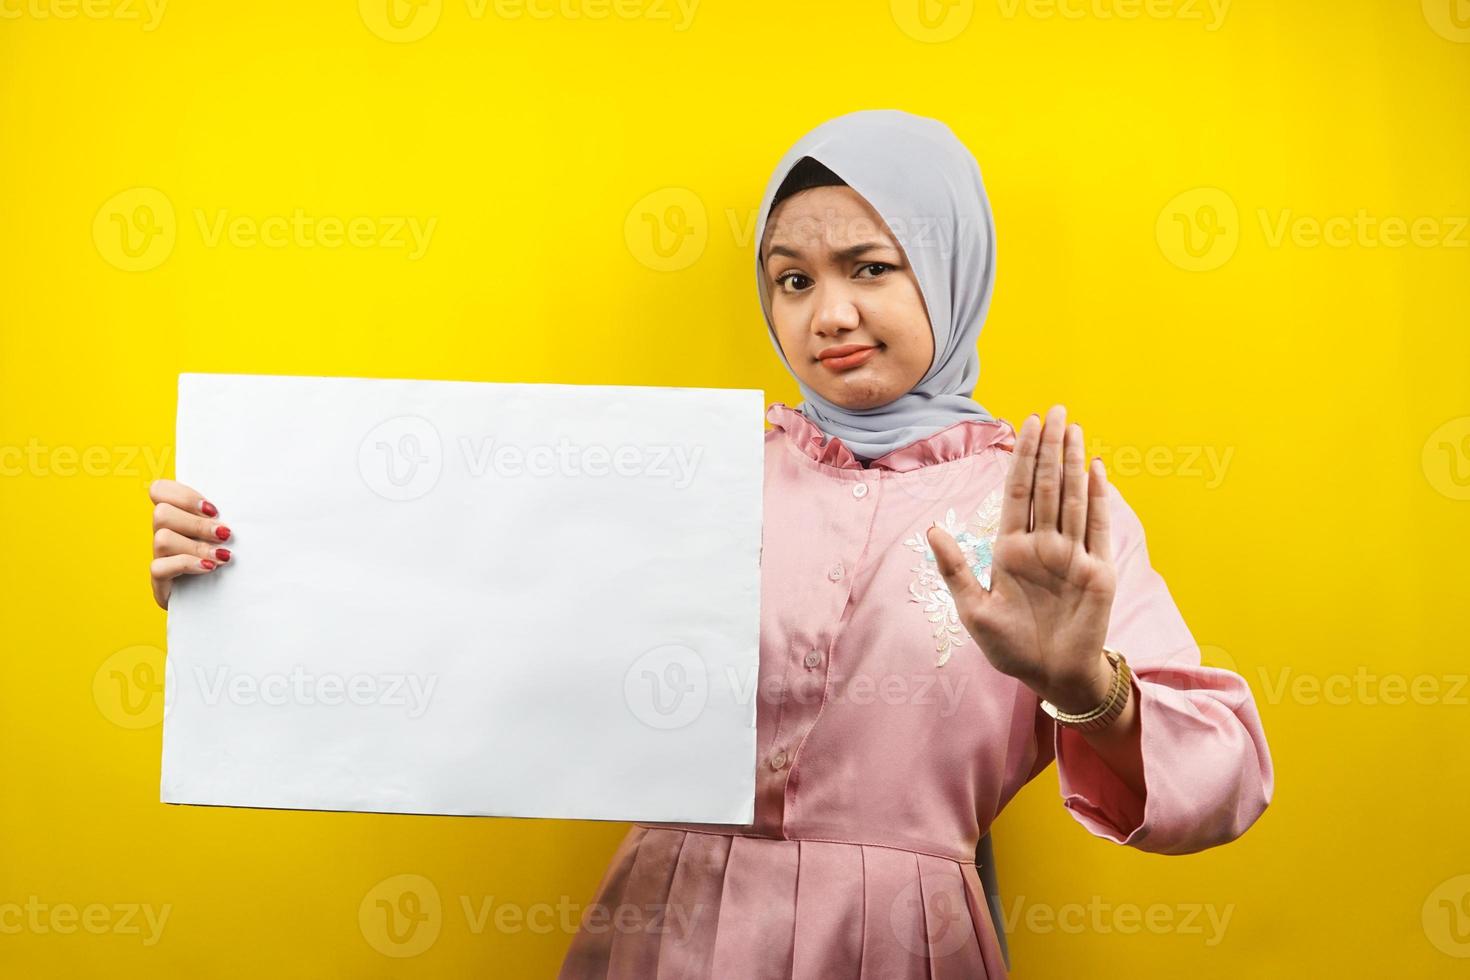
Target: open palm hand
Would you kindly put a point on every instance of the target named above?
(1045, 617)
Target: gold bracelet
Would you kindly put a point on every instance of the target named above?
(1112, 705)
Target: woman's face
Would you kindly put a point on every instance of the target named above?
(839, 281)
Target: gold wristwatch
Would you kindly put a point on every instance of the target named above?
(1112, 705)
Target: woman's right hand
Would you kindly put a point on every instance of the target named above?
(186, 536)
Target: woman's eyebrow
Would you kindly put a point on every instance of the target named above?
(851, 252)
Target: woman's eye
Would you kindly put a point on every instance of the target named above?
(783, 280)
(877, 265)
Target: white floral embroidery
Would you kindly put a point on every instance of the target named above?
(975, 539)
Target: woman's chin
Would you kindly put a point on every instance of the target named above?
(858, 393)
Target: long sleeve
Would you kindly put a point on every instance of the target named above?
(1207, 768)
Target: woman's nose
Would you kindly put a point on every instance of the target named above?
(835, 311)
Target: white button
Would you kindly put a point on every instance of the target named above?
(812, 659)
(778, 761)
(860, 491)
(835, 572)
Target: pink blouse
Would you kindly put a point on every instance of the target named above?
(887, 744)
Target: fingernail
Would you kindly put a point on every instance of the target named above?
(206, 564)
(222, 532)
(223, 554)
(210, 510)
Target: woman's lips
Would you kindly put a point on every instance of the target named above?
(849, 361)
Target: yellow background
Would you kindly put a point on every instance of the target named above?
(1327, 371)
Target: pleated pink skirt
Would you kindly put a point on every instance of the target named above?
(679, 905)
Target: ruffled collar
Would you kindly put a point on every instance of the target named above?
(953, 442)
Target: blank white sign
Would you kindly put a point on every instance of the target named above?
(457, 597)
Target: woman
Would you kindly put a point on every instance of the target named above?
(948, 605)
(930, 577)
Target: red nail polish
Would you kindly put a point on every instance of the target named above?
(210, 510)
(206, 563)
(223, 554)
(222, 532)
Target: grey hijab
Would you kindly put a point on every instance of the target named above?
(926, 186)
